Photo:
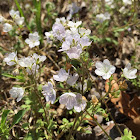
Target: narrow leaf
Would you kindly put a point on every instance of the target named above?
(18, 116)
(4, 117)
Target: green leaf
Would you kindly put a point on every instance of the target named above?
(4, 117)
(88, 132)
(25, 125)
(18, 116)
(65, 121)
(19, 77)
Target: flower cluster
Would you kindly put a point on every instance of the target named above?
(74, 39)
(7, 24)
(31, 63)
(71, 100)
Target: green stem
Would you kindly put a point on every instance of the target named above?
(113, 120)
(77, 116)
(99, 126)
(22, 14)
(37, 5)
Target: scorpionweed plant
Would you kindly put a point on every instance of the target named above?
(69, 86)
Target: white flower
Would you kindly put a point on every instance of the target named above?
(104, 69)
(27, 5)
(19, 20)
(61, 20)
(74, 25)
(14, 14)
(33, 69)
(127, 2)
(7, 27)
(49, 93)
(26, 62)
(102, 17)
(61, 76)
(2, 19)
(81, 103)
(129, 72)
(17, 93)
(74, 52)
(123, 10)
(72, 79)
(49, 35)
(68, 99)
(11, 59)
(109, 2)
(33, 40)
(84, 32)
(39, 58)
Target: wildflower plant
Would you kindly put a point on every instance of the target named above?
(69, 85)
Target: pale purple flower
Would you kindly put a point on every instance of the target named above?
(68, 99)
(129, 72)
(58, 31)
(72, 79)
(73, 9)
(61, 76)
(49, 93)
(74, 52)
(65, 45)
(16, 92)
(84, 41)
(81, 103)
(104, 69)
(7, 27)
(11, 59)
(33, 40)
